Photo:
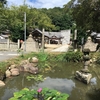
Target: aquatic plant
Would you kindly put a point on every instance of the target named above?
(40, 94)
(35, 77)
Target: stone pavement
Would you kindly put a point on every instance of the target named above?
(4, 55)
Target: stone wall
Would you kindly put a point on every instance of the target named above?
(30, 44)
(3, 46)
(66, 36)
(8, 45)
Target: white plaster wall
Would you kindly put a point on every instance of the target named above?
(66, 36)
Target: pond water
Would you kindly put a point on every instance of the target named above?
(61, 78)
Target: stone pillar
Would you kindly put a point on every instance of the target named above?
(18, 44)
(8, 44)
(86, 58)
(59, 41)
(43, 40)
(49, 41)
(75, 40)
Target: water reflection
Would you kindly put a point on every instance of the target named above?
(63, 85)
(8, 93)
(93, 81)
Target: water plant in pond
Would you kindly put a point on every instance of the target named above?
(35, 77)
(40, 94)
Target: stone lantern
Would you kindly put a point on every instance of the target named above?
(96, 38)
(98, 41)
(84, 75)
(86, 58)
(93, 36)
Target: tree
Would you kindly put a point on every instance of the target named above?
(60, 18)
(3, 17)
(12, 18)
(3, 2)
(87, 15)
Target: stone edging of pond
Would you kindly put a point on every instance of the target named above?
(30, 65)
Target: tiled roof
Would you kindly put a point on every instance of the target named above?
(5, 36)
(48, 34)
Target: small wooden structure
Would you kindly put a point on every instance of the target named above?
(49, 37)
(61, 37)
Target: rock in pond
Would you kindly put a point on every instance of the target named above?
(83, 76)
(2, 83)
(8, 73)
(14, 71)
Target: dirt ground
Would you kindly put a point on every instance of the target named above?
(52, 47)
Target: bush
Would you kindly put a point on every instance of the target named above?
(69, 56)
(73, 56)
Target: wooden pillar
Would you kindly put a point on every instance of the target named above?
(49, 41)
(43, 40)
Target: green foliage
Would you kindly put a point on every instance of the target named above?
(42, 56)
(3, 65)
(56, 57)
(87, 19)
(98, 60)
(3, 2)
(12, 18)
(21, 52)
(45, 94)
(68, 57)
(59, 17)
(97, 56)
(73, 56)
(35, 77)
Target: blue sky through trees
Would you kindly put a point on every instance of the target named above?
(40, 3)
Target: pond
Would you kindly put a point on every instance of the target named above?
(61, 78)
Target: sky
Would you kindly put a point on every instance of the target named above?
(40, 3)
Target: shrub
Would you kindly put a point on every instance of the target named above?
(73, 56)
